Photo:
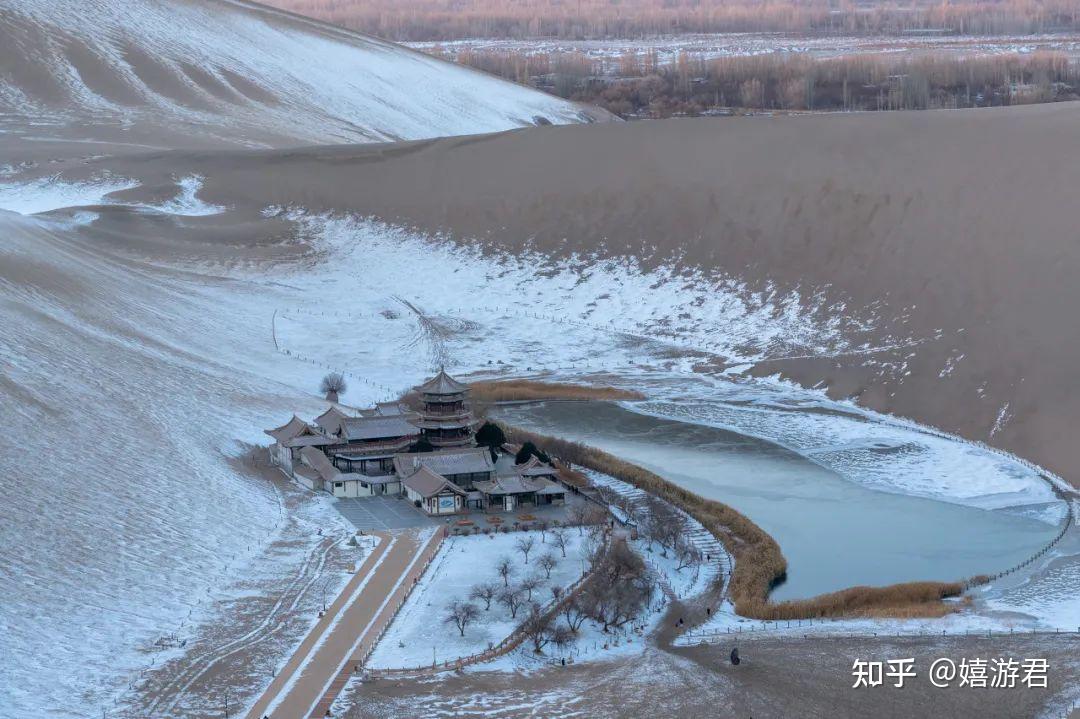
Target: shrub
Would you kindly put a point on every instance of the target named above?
(333, 385)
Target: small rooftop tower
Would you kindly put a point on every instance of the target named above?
(445, 420)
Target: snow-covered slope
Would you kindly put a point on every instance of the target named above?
(145, 347)
(183, 73)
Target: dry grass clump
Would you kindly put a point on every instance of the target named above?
(911, 599)
(573, 478)
(523, 389)
(759, 563)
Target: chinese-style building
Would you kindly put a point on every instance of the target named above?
(445, 420)
(360, 453)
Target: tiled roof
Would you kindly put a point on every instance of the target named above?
(293, 428)
(353, 428)
(427, 483)
(458, 461)
(318, 461)
(531, 468)
(519, 485)
(389, 409)
(330, 420)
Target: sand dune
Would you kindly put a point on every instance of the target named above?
(197, 73)
(931, 256)
(952, 234)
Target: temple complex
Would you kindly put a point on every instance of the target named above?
(427, 456)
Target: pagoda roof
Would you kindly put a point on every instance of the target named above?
(429, 422)
(443, 383)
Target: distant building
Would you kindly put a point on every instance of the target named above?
(363, 453)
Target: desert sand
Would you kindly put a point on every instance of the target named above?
(951, 233)
(139, 359)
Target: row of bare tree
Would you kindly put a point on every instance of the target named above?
(639, 85)
(425, 20)
(617, 592)
(660, 524)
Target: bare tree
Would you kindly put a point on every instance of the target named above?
(529, 585)
(562, 636)
(485, 592)
(560, 540)
(547, 562)
(574, 614)
(576, 515)
(538, 628)
(333, 385)
(269, 663)
(619, 590)
(615, 499)
(556, 592)
(593, 547)
(688, 555)
(666, 525)
(595, 516)
(511, 598)
(525, 545)
(505, 568)
(461, 614)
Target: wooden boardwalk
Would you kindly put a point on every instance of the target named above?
(346, 634)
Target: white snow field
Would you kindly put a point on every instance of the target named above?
(418, 635)
(51, 193)
(130, 395)
(227, 71)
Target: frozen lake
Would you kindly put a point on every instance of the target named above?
(834, 532)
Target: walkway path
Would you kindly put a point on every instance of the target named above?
(348, 631)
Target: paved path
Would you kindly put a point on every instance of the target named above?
(352, 624)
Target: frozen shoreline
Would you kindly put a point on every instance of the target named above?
(973, 475)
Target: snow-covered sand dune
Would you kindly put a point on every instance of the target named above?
(127, 404)
(186, 73)
(144, 347)
(145, 338)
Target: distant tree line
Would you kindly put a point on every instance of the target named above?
(426, 20)
(640, 86)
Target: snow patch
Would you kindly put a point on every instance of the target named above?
(53, 193)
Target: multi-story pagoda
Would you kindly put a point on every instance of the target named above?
(445, 420)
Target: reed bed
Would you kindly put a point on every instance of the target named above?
(759, 563)
(526, 390)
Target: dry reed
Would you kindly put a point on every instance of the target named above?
(527, 390)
